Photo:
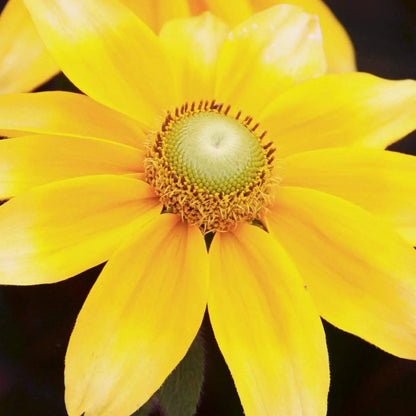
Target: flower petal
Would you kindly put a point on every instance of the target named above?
(266, 326)
(30, 161)
(156, 12)
(193, 45)
(354, 109)
(63, 228)
(339, 50)
(25, 62)
(379, 181)
(360, 273)
(120, 353)
(65, 113)
(199, 6)
(268, 53)
(232, 11)
(108, 52)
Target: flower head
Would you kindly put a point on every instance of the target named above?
(171, 146)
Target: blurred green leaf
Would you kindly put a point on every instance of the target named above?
(179, 394)
(145, 409)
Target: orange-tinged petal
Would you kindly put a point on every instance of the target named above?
(359, 272)
(380, 181)
(193, 45)
(354, 109)
(198, 6)
(57, 230)
(268, 53)
(107, 52)
(232, 11)
(156, 12)
(30, 161)
(25, 62)
(65, 113)
(266, 326)
(339, 50)
(120, 353)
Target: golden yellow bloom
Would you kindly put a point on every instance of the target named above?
(306, 216)
(24, 61)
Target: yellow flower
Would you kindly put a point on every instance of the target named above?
(314, 231)
(24, 61)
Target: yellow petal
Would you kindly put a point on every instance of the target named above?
(65, 113)
(379, 181)
(156, 12)
(30, 161)
(193, 45)
(139, 319)
(232, 11)
(268, 53)
(25, 62)
(359, 272)
(107, 52)
(266, 326)
(339, 50)
(354, 109)
(60, 229)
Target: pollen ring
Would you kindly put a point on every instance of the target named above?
(209, 166)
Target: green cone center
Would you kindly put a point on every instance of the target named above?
(215, 152)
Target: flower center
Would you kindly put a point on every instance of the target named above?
(210, 167)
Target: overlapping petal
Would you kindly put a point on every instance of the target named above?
(107, 52)
(30, 161)
(339, 50)
(197, 6)
(232, 11)
(339, 110)
(60, 229)
(360, 273)
(266, 326)
(380, 181)
(25, 62)
(268, 53)
(67, 114)
(157, 286)
(192, 46)
(156, 12)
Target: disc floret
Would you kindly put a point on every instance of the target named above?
(210, 167)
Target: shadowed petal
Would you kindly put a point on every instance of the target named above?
(156, 12)
(139, 319)
(232, 11)
(266, 326)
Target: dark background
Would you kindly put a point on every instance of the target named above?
(35, 322)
